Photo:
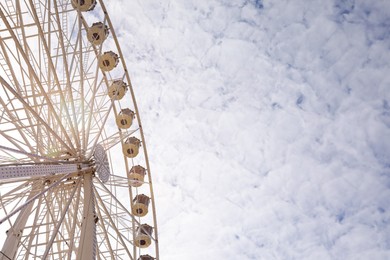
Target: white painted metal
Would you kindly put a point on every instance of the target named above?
(11, 172)
(58, 130)
(29, 201)
(60, 222)
(87, 246)
(14, 234)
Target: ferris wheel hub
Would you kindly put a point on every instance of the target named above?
(102, 164)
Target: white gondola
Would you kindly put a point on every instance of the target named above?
(97, 33)
(143, 233)
(145, 257)
(84, 5)
(108, 61)
(125, 118)
(131, 147)
(117, 90)
(137, 175)
(140, 205)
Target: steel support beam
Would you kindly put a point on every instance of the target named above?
(87, 245)
(14, 234)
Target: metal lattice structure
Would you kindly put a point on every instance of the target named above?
(75, 180)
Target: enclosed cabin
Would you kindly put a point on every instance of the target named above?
(108, 61)
(131, 147)
(137, 175)
(84, 5)
(117, 90)
(140, 205)
(145, 257)
(97, 33)
(125, 118)
(143, 234)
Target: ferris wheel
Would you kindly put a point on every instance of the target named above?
(75, 181)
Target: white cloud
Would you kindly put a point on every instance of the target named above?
(267, 127)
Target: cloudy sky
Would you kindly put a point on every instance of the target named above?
(268, 124)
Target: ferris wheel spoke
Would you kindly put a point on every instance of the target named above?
(118, 203)
(37, 81)
(60, 221)
(33, 112)
(13, 139)
(14, 117)
(34, 228)
(82, 75)
(99, 128)
(112, 223)
(22, 37)
(112, 140)
(33, 157)
(19, 136)
(54, 204)
(22, 189)
(105, 233)
(33, 198)
(88, 85)
(7, 152)
(50, 207)
(104, 112)
(113, 235)
(62, 40)
(7, 199)
(51, 66)
(17, 188)
(11, 243)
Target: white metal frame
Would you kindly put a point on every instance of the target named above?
(55, 111)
